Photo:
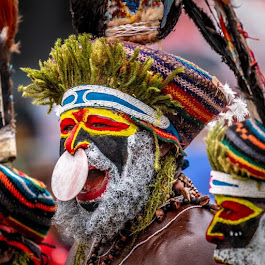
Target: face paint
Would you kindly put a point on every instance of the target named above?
(235, 223)
(105, 129)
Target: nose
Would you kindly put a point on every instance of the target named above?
(78, 138)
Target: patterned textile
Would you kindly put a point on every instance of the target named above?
(199, 94)
(18, 242)
(237, 156)
(244, 144)
(25, 204)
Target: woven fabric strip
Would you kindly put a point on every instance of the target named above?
(245, 148)
(18, 242)
(199, 94)
(224, 184)
(26, 204)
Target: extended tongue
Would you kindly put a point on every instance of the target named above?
(69, 175)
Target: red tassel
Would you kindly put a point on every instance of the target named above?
(9, 18)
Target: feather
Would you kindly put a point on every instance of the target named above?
(9, 20)
(172, 12)
(229, 42)
(167, 7)
(88, 16)
(250, 79)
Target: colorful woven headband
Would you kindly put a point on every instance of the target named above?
(224, 184)
(199, 94)
(244, 146)
(101, 96)
(25, 204)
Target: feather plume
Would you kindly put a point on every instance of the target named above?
(89, 16)
(229, 41)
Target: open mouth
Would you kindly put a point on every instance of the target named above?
(95, 185)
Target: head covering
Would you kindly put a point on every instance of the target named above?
(26, 209)
(161, 92)
(141, 21)
(237, 156)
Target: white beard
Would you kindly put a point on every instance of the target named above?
(252, 254)
(125, 196)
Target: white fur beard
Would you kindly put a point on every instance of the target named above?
(252, 254)
(124, 198)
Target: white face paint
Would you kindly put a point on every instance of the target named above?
(252, 254)
(124, 198)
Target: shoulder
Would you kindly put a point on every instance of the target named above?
(179, 239)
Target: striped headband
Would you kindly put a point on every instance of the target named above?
(244, 149)
(104, 97)
(224, 184)
(25, 203)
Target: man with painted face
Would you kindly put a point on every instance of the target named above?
(237, 157)
(127, 113)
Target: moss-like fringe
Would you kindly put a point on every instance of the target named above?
(216, 152)
(80, 256)
(161, 189)
(78, 61)
(212, 146)
(20, 258)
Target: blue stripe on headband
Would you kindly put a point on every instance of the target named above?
(109, 98)
(100, 97)
(222, 183)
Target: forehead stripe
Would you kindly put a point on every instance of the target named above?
(105, 97)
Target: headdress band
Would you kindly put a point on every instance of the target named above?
(223, 184)
(104, 97)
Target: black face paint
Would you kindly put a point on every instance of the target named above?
(113, 147)
(236, 236)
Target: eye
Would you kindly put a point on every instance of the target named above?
(228, 211)
(67, 125)
(99, 125)
(68, 128)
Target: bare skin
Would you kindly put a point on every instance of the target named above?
(181, 242)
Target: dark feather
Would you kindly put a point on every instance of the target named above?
(88, 16)
(248, 77)
(171, 19)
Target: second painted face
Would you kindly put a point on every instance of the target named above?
(106, 129)
(233, 228)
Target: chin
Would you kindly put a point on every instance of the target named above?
(239, 256)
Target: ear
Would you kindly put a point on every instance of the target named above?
(164, 148)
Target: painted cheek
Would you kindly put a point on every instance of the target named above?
(213, 236)
(70, 144)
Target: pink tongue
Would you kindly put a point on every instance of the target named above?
(69, 175)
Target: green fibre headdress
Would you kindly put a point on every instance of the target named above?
(161, 92)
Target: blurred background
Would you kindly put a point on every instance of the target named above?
(42, 22)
